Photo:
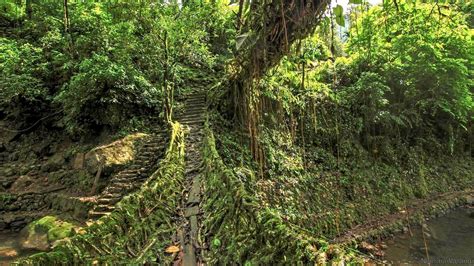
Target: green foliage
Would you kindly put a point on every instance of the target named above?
(11, 11)
(339, 15)
(427, 66)
(108, 92)
(111, 63)
(21, 88)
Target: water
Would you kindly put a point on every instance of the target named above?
(10, 248)
(449, 241)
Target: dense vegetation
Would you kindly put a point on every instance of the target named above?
(313, 127)
(120, 59)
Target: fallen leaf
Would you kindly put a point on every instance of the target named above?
(172, 249)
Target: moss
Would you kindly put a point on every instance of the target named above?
(43, 225)
(250, 233)
(60, 231)
(118, 152)
(54, 228)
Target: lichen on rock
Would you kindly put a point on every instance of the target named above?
(119, 152)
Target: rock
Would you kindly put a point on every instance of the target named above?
(470, 199)
(8, 253)
(367, 247)
(78, 161)
(9, 172)
(54, 163)
(112, 156)
(22, 183)
(13, 156)
(34, 240)
(43, 233)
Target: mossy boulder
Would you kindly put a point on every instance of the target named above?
(41, 234)
(111, 156)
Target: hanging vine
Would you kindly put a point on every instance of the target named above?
(266, 32)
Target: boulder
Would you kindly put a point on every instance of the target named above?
(78, 161)
(43, 233)
(6, 252)
(22, 183)
(112, 156)
(54, 163)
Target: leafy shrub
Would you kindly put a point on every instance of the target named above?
(105, 93)
(22, 91)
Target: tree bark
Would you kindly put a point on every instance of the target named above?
(269, 30)
(29, 9)
(66, 16)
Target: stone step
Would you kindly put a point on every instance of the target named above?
(195, 106)
(108, 197)
(154, 143)
(149, 153)
(193, 121)
(127, 180)
(138, 168)
(97, 214)
(192, 102)
(108, 201)
(146, 156)
(196, 96)
(129, 171)
(152, 147)
(144, 160)
(191, 211)
(191, 115)
(124, 180)
(104, 208)
(119, 189)
(194, 194)
(125, 175)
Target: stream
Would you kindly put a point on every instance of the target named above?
(446, 240)
(10, 248)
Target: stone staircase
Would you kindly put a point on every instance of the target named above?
(193, 117)
(131, 178)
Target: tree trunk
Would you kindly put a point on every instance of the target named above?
(66, 16)
(29, 9)
(270, 28)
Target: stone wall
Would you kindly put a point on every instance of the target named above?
(17, 210)
(10, 202)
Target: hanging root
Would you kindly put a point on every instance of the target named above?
(239, 229)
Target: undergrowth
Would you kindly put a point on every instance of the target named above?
(326, 195)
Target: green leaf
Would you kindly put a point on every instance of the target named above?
(339, 14)
(357, 2)
(241, 39)
(216, 243)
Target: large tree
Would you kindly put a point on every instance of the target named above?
(266, 30)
